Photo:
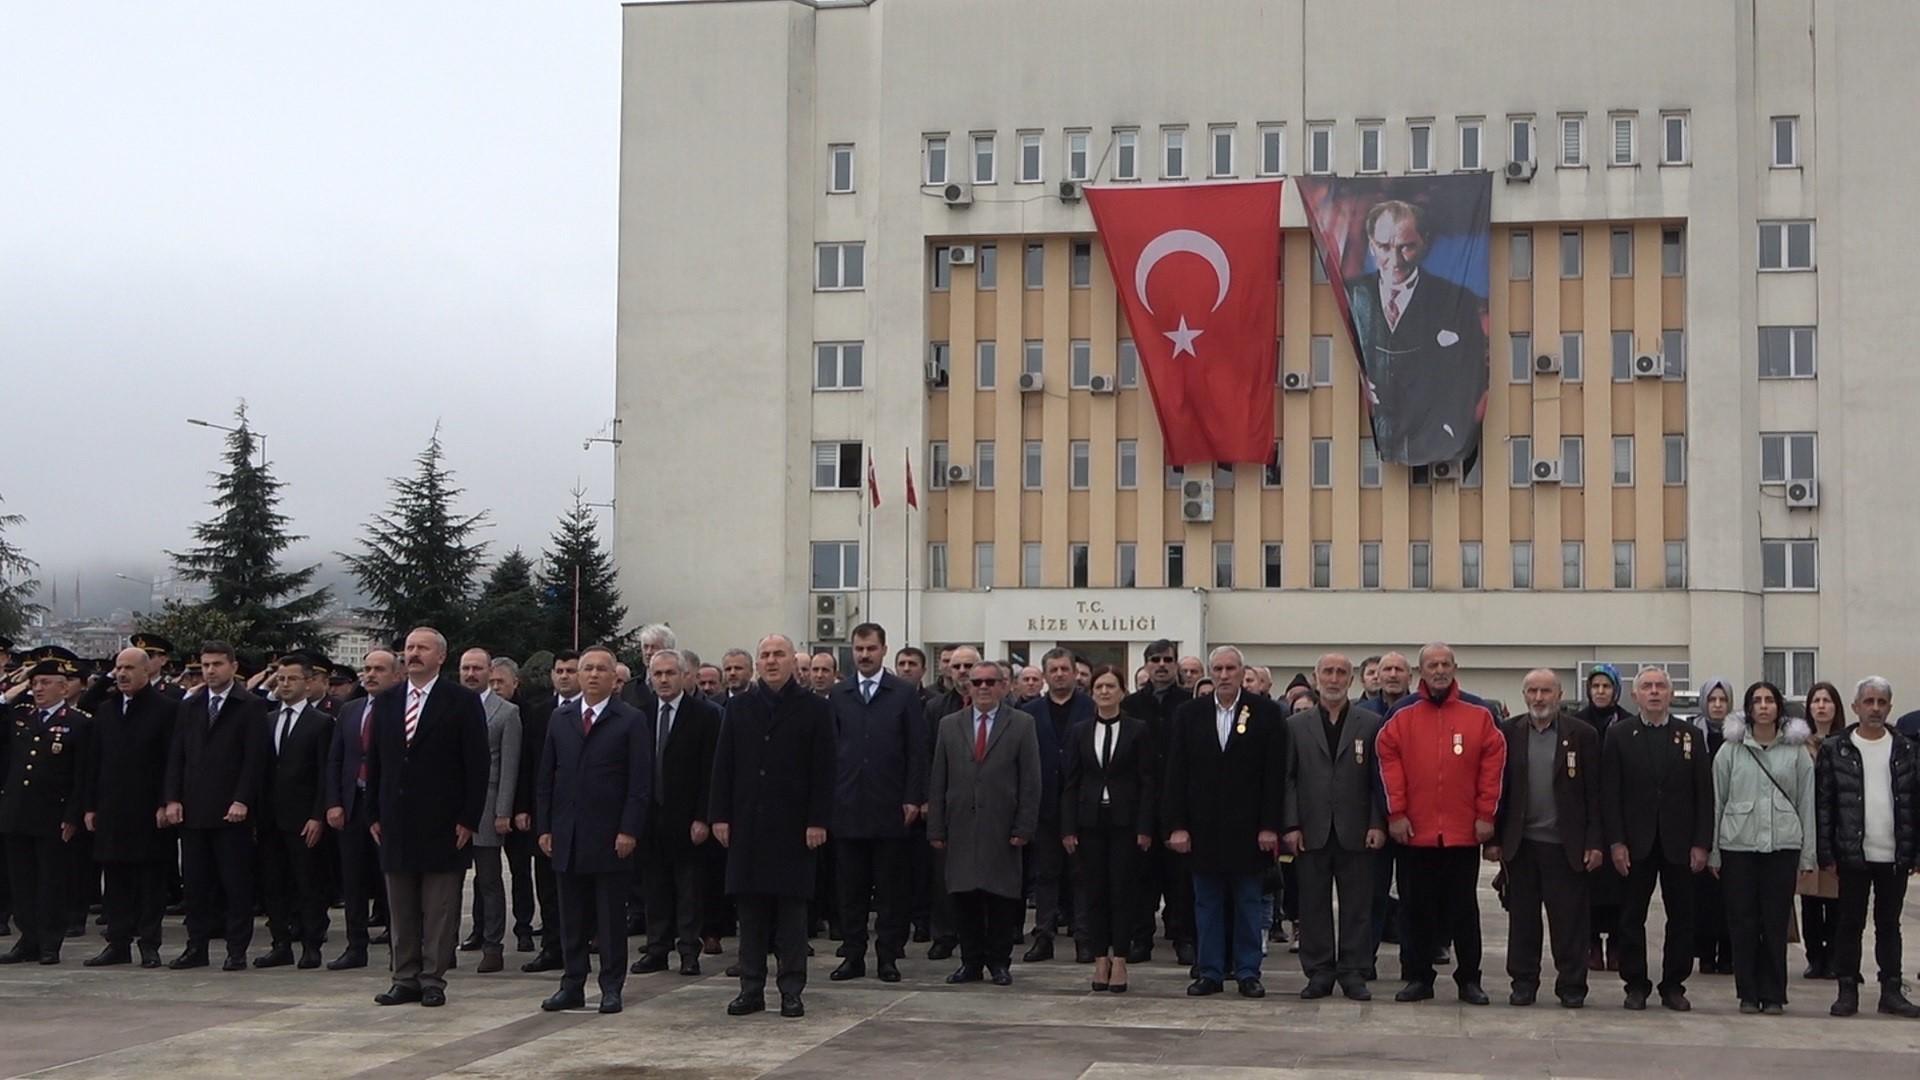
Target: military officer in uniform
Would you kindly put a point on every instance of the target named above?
(40, 805)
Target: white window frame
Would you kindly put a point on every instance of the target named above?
(1173, 152)
(1033, 356)
(1273, 564)
(1579, 238)
(1126, 465)
(1673, 354)
(1573, 564)
(1276, 135)
(835, 151)
(1623, 564)
(1033, 565)
(940, 355)
(934, 148)
(1619, 363)
(1170, 556)
(1614, 268)
(1033, 465)
(1473, 565)
(1079, 465)
(1793, 336)
(1573, 356)
(1802, 553)
(1673, 460)
(1520, 461)
(1521, 564)
(1517, 239)
(839, 350)
(1126, 363)
(986, 267)
(1669, 120)
(941, 271)
(1031, 167)
(1476, 126)
(1079, 259)
(1083, 171)
(1215, 134)
(1790, 660)
(1126, 153)
(847, 562)
(1623, 461)
(983, 567)
(1223, 564)
(838, 480)
(1274, 470)
(1573, 141)
(1378, 131)
(1322, 457)
(1799, 457)
(992, 144)
(1520, 128)
(1079, 568)
(1126, 564)
(1792, 127)
(1629, 125)
(1028, 278)
(1079, 364)
(939, 456)
(986, 364)
(1322, 565)
(1370, 564)
(1784, 230)
(937, 565)
(1520, 356)
(1320, 360)
(984, 464)
(840, 250)
(1420, 565)
(1573, 461)
(1370, 465)
(1673, 571)
(1417, 162)
(1680, 244)
(1320, 149)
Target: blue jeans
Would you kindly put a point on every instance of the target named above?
(1212, 896)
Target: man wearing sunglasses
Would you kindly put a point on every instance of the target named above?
(1155, 703)
(957, 662)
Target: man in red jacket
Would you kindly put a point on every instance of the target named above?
(1441, 761)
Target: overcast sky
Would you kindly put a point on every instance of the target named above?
(360, 217)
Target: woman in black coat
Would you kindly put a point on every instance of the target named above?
(1106, 822)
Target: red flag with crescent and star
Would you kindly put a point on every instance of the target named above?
(1197, 267)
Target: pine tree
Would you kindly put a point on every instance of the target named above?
(17, 584)
(574, 555)
(249, 596)
(508, 619)
(418, 562)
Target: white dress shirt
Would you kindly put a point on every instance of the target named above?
(1223, 717)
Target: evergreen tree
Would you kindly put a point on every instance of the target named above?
(508, 618)
(574, 555)
(418, 561)
(249, 596)
(17, 584)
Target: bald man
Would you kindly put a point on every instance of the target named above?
(132, 731)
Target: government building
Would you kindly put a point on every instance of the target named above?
(858, 231)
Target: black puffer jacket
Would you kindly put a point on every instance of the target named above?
(1840, 801)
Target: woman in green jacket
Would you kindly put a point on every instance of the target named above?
(1763, 840)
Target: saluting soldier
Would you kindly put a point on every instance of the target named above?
(159, 659)
(40, 805)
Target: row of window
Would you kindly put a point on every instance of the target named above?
(1572, 356)
(1573, 467)
(1673, 253)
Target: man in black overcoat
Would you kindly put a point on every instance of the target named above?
(125, 811)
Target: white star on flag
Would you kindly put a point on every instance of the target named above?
(1182, 338)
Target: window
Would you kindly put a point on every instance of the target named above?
(1320, 149)
(1673, 354)
(1270, 473)
(1033, 357)
(1673, 460)
(839, 168)
(1620, 251)
(1372, 159)
(1080, 265)
(1030, 566)
(1570, 253)
(983, 465)
(1573, 461)
(1520, 138)
(1624, 143)
(937, 461)
(1030, 467)
(1174, 475)
(1220, 138)
(1621, 344)
(836, 466)
(1223, 565)
(840, 266)
(1077, 565)
(1176, 566)
(1223, 478)
(1323, 566)
(984, 146)
(1788, 456)
(1623, 461)
(1673, 252)
(1573, 365)
(1623, 564)
(1520, 461)
(1079, 465)
(1127, 465)
(986, 359)
(1029, 158)
(1323, 463)
(1520, 255)
(837, 365)
(1520, 358)
(1273, 149)
(1470, 564)
(1320, 357)
(1523, 565)
(1472, 478)
(1789, 669)
(1173, 160)
(1419, 476)
(1786, 142)
(1126, 154)
(1128, 360)
(983, 565)
(1126, 568)
(1573, 142)
(936, 566)
(1370, 565)
(1319, 264)
(1420, 146)
(836, 564)
(1033, 273)
(986, 267)
(1786, 245)
(1078, 160)
(940, 356)
(933, 157)
(1469, 145)
(1080, 364)
(1420, 560)
(1789, 565)
(1369, 463)
(942, 271)
(1570, 565)
(1786, 352)
(1270, 564)
(1676, 568)
(1675, 147)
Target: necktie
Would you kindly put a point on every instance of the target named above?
(286, 725)
(1393, 310)
(414, 697)
(366, 739)
(1106, 742)
(866, 690)
(980, 738)
(213, 707)
(665, 727)
(586, 720)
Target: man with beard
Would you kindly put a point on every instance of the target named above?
(1055, 713)
(125, 812)
(1166, 870)
(1604, 887)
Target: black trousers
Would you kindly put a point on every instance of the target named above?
(594, 907)
(1759, 912)
(134, 898)
(1819, 919)
(218, 867)
(1045, 863)
(1168, 878)
(1630, 933)
(1538, 877)
(718, 920)
(673, 878)
(825, 906)
(782, 922)
(1107, 869)
(40, 869)
(489, 894)
(874, 873)
(1439, 890)
(294, 887)
(1888, 883)
(361, 882)
(945, 922)
(987, 924)
(532, 874)
(1389, 916)
(1710, 942)
(920, 876)
(1323, 872)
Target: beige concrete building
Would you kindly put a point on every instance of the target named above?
(844, 232)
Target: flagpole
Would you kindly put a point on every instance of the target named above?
(866, 501)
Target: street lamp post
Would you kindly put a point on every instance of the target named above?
(153, 587)
(222, 427)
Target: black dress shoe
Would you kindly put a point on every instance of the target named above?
(49, 958)
(17, 956)
(149, 956)
(1183, 953)
(433, 997)
(109, 956)
(710, 945)
(1000, 976)
(1140, 954)
(964, 974)
(1523, 995)
(347, 961)
(889, 971)
(1317, 988)
(922, 935)
(1636, 1001)
(562, 1000)
(472, 944)
(1415, 991)
(746, 1003)
(790, 1006)
(1472, 994)
(849, 969)
(1676, 1000)
(278, 956)
(523, 943)
(690, 964)
(1771, 1008)
(1042, 950)
(940, 950)
(609, 1003)
(235, 962)
(1356, 990)
(1204, 987)
(397, 995)
(309, 957)
(1573, 1001)
(1252, 988)
(732, 972)
(192, 958)
(542, 962)
(1082, 953)
(649, 964)
(1371, 974)
(381, 938)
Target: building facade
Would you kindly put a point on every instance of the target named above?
(845, 237)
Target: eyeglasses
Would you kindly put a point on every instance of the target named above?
(984, 682)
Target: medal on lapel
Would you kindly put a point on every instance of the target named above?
(1241, 727)
(1459, 744)
(1573, 768)
(57, 747)
(1359, 752)
(1686, 745)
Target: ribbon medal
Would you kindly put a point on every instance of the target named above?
(1573, 768)
(1686, 745)
(1459, 744)
(1359, 752)
(1241, 727)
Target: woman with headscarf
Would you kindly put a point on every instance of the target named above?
(1711, 940)
(1602, 711)
(1820, 893)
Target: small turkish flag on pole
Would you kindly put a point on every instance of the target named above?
(1197, 267)
(913, 499)
(873, 481)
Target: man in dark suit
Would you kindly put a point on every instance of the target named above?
(591, 807)
(1656, 791)
(880, 741)
(426, 790)
(216, 771)
(361, 882)
(42, 796)
(682, 731)
(1547, 835)
(1056, 712)
(292, 861)
(1167, 875)
(1421, 344)
(1225, 765)
(125, 813)
(531, 870)
(1334, 826)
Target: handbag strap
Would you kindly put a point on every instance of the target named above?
(1762, 762)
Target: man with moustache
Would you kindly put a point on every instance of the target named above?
(503, 775)
(1056, 711)
(292, 818)
(1167, 876)
(959, 662)
(682, 730)
(125, 811)
(42, 759)
(361, 883)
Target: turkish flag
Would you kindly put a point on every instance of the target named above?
(1197, 267)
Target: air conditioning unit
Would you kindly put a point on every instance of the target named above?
(1070, 190)
(1031, 382)
(1520, 172)
(1196, 499)
(1295, 382)
(960, 255)
(1803, 494)
(957, 194)
(1101, 384)
(959, 474)
(1648, 366)
(1546, 470)
(1443, 470)
(936, 376)
(1545, 364)
(831, 614)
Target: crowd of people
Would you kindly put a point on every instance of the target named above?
(770, 797)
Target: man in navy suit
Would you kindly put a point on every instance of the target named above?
(346, 799)
(591, 804)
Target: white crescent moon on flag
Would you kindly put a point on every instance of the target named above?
(1190, 240)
